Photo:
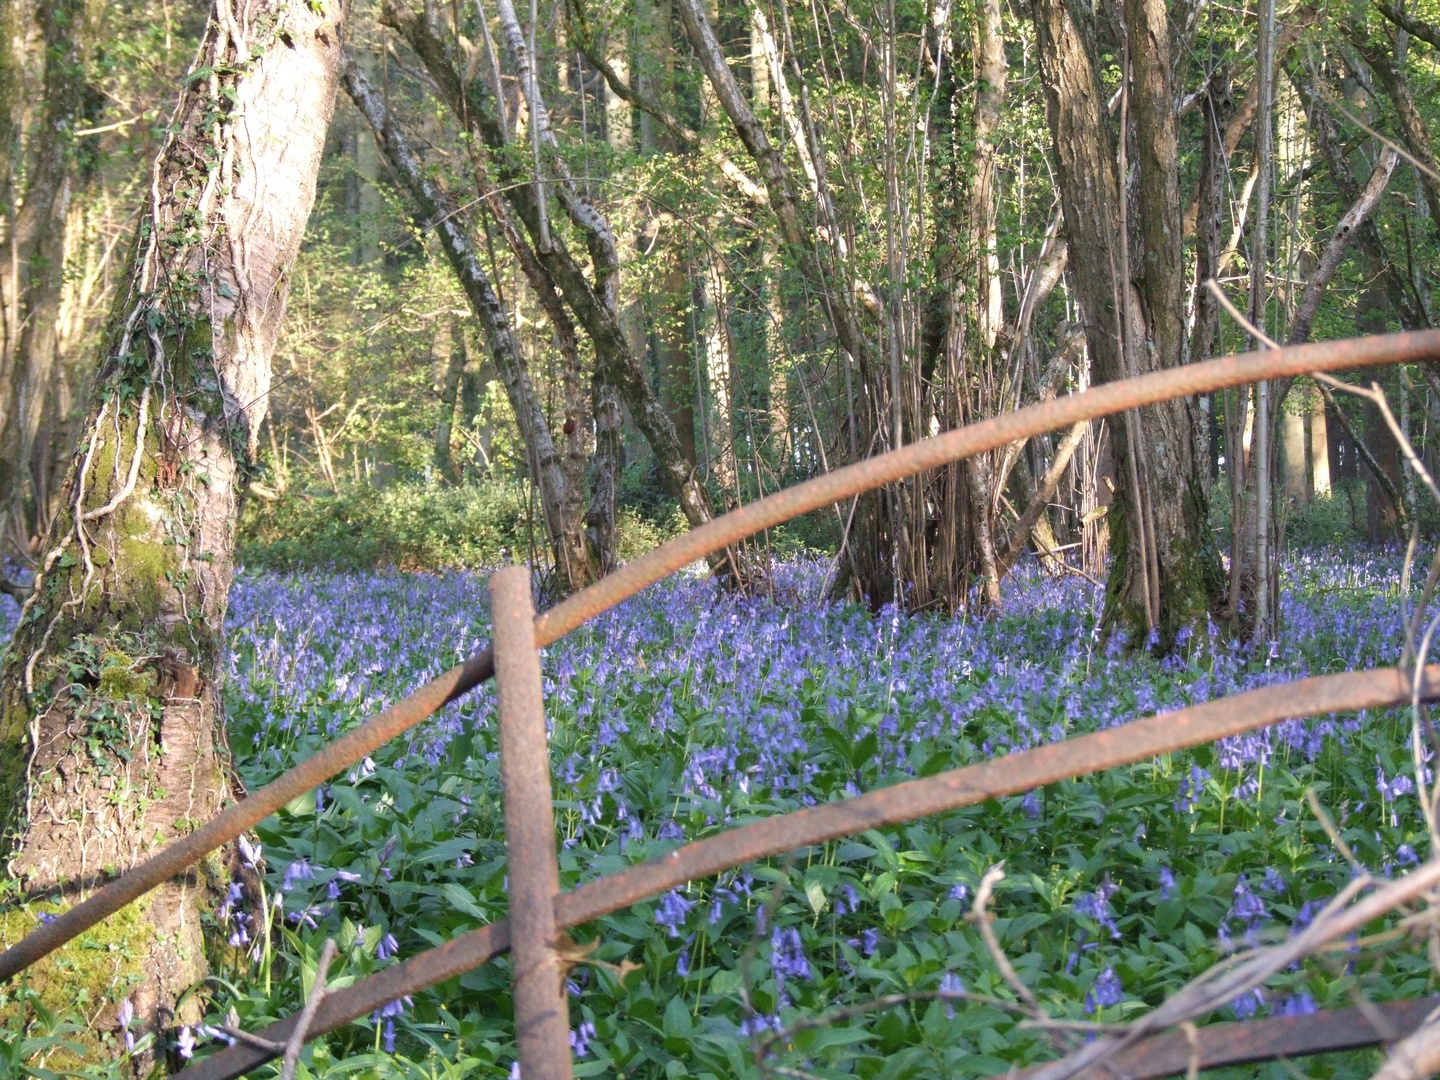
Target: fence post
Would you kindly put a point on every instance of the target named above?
(542, 1029)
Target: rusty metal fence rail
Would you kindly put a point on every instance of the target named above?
(541, 1018)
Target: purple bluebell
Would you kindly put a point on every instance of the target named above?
(126, 1016)
(1096, 906)
(1248, 1004)
(787, 954)
(1301, 1004)
(672, 912)
(580, 1038)
(1104, 992)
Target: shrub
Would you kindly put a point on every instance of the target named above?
(412, 527)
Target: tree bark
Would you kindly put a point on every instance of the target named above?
(120, 640)
(1143, 314)
(1359, 214)
(449, 391)
(1412, 125)
(1399, 293)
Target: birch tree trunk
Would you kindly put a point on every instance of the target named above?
(120, 640)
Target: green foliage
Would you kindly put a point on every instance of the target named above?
(643, 739)
(1333, 520)
(407, 526)
(415, 527)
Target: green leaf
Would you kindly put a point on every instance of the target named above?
(461, 900)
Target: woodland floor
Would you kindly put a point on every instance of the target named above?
(687, 711)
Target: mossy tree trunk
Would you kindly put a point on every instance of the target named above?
(111, 741)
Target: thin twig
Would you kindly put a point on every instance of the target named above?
(241, 1035)
(1234, 313)
(1331, 831)
(981, 917)
(302, 1025)
(1192, 1039)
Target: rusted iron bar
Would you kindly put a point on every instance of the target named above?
(542, 1028)
(1013, 774)
(729, 529)
(1242, 1043)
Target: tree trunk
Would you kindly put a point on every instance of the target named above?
(1158, 516)
(1412, 125)
(118, 652)
(1292, 456)
(449, 391)
(1319, 451)
(27, 373)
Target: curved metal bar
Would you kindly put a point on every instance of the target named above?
(1125, 744)
(729, 529)
(1247, 1041)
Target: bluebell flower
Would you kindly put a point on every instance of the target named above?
(1301, 1004)
(1167, 883)
(580, 1038)
(1248, 1004)
(755, 1025)
(1105, 991)
(1096, 906)
(1190, 789)
(870, 939)
(672, 912)
(216, 1035)
(185, 1044)
(299, 870)
(386, 947)
(787, 954)
(250, 854)
(126, 1016)
(951, 987)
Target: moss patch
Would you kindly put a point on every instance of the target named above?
(119, 681)
(84, 979)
